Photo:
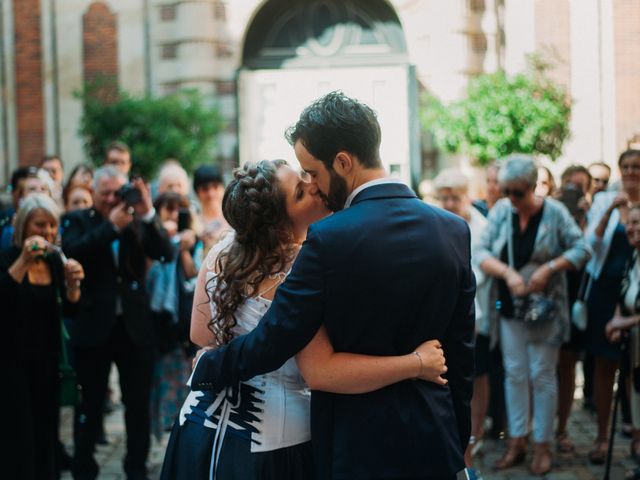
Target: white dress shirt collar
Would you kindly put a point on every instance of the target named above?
(372, 183)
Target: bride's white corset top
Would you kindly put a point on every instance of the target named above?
(280, 400)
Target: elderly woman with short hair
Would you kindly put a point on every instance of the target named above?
(34, 279)
(526, 246)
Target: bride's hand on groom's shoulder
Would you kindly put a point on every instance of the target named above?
(433, 362)
(198, 354)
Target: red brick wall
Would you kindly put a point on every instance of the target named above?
(552, 32)
(29, 96)
(626, 38)
(100, 47)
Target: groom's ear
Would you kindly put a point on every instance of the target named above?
(344, 163)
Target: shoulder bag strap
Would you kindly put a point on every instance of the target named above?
(510, 238)
(64, 335)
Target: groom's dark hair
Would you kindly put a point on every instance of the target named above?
(335, 123)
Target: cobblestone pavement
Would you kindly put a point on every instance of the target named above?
(567, 467)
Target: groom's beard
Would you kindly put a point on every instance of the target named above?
(338, 192)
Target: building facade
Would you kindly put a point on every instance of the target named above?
(50, 48)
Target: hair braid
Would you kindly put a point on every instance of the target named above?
(254, 206)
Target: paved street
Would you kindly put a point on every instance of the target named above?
(568, 467)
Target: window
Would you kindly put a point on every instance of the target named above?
(169, 88)
(219, 11)
(225, 87)
(168, 13)
(223, 50)
(479, 42)
(477, 5)
(169, 51)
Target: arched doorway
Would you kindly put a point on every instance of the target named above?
(296, 51)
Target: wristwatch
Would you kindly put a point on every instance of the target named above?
(552, 266)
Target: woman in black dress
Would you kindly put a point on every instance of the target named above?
(32, 278)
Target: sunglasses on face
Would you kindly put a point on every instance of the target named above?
(514, 192)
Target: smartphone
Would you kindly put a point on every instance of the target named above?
(184, 219)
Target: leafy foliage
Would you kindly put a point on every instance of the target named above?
(526, 113)
(179, 125)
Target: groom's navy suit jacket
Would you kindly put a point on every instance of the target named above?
(384, 275)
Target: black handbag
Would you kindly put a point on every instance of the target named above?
(69, 390)
(534, 310)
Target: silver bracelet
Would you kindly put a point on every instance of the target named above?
(417, 354)
(75, 286)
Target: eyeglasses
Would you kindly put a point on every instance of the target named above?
(514, 192)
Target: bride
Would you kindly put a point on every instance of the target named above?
(260, 430)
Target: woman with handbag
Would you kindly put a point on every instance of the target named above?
(526, 246)
(605, 234)
(36, 283)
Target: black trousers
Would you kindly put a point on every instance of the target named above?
(135, 366)
(30, 416)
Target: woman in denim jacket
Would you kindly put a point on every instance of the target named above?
(545, 241)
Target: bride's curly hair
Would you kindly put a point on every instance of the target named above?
(255, 207)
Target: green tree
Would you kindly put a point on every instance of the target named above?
(525, 113)
(181, 126)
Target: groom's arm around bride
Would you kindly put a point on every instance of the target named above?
(383, 274)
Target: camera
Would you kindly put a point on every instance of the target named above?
(129, 194)
(184, 219)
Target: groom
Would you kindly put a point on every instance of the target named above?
(384, 273)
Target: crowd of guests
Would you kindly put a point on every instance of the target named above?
(104, 265)
(96, 271)
(556, 269)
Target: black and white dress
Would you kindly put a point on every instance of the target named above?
(259, 430)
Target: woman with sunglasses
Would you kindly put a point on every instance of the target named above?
(526, 246)
(606, 225)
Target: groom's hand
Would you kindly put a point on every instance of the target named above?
(433, 362)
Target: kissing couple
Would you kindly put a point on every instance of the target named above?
(325, 334)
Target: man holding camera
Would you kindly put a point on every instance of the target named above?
(113, 240)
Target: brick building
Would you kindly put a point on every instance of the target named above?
(49, 48)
